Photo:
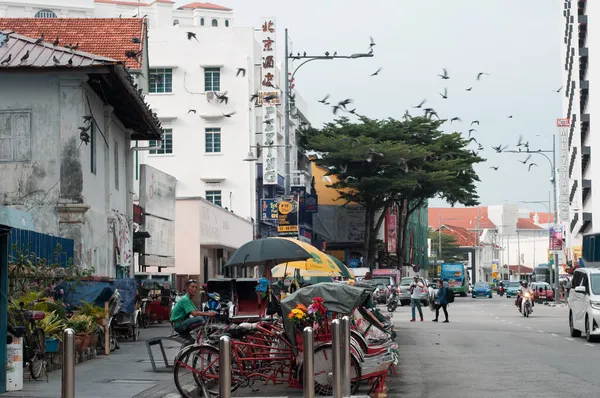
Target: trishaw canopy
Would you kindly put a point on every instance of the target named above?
(337, 297)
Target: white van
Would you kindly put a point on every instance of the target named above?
(584, 303)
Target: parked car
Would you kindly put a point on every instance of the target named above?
(542, 291)
(482, 289)
(584, 303)
(405, 293)
(382, 288)
(512, 289)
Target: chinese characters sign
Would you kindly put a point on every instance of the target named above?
(269, 97)
(269, 210)
(564, 126)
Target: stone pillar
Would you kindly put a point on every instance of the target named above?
(70, 224)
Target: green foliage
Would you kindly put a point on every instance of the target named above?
(450, 249)
(53, 325)
(92, 311)
(82, 324)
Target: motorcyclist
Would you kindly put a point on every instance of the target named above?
(524, 289)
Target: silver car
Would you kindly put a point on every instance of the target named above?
(405, 293)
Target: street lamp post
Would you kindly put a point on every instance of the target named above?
(553, 166)
(287, 90)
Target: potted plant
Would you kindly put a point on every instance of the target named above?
(52, 325)
(81, 325)
(93, 311)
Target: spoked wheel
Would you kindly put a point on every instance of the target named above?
(136, 328)
(145, 321)
(37, 349)
(112, 340)
(323, 368)
(196, 367)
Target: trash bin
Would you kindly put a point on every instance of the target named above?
(14, 364)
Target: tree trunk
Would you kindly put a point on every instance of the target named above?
(400, 233)
(367, 242)
(371, 229)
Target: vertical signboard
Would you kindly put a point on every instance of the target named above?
(391, 222)
(564, 127)
(556, 239)
(269, 99)
(288, 218)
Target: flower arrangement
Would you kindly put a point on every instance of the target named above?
(263, 287)
(315, 313)
(317, 309)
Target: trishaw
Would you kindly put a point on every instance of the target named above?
(270, 350)
(156, 307)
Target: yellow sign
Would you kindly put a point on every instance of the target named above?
(285, 207)
(495, 274)
(287, 228)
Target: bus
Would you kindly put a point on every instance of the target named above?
(457, 277)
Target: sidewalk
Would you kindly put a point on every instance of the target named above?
(125, 373)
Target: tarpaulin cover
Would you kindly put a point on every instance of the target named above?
(99, 292)
(337, 297)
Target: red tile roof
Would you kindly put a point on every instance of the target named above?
(526, 223)
(464, 238)
(524, 269)
(108, 37)
(207, 6)
(466, 217)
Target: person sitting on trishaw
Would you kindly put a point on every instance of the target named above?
(185, 317)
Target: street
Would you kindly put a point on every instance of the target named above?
(487, 350)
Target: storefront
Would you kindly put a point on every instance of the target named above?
(9, 218)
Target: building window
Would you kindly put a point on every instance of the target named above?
(212, 79)
(201, 21)
(213, 140)
(93, 147)
(214, 197)
(166, 144)
(116, 160)
(15, 136)
(45, 14)
(215, 23)
(226, 23)
(161, 80)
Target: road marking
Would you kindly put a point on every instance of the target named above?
(568, 338)
(504, 320)
(552, 334)
(528, 327)
(591, 345)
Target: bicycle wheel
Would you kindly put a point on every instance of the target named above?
(37, 351)
(323, 370)
(199, 365)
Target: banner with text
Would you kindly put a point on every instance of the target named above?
(564, 128)
(269, 98)
(288, 217)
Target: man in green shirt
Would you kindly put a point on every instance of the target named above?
(185, 316)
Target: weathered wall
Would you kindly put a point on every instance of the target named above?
(59, 185)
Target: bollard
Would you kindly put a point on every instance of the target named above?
(345, 347)
(224, 367)
(68, 364)
(309, 366)
(337, 358)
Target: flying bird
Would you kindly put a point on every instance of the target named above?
(376, 72)
(469, 89)
(24, 57)
(499, 148)
(352, 111)
(475, 122)
(558, 91)
(242, 71)
(421, 104)
(88, 118)
(472, 139)
(56, 42)
(84, 129)
(324, 100)
(509, 117)
(192, 111)
(481, 74)
(372, 44)
(532, 164)
(6, 60)
(445, 95)
(495, 167)
(229, 114)
(191, 35)
(445, 75)
(471, 131)
(254, 97)
(40, 39)
(455, 119)
(136, 40)
(524, 161)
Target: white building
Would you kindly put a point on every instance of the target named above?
(74, 176)
(581, 181)
(201, 147)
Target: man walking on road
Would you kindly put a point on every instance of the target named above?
(416, 288)
(442, 298)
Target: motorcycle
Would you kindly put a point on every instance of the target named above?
(501, 291)
(393, 299)
(526, 308)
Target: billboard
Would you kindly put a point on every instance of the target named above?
(556, 239)
(269, 98)
(564, 127)
(287, 223)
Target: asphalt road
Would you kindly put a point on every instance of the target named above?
(490, 350)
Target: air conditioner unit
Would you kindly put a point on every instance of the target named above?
(210, 96)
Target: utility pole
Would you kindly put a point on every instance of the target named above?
(287, 90)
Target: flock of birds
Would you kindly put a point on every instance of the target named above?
(521, 146)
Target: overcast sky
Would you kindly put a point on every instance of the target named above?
(517, 42)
